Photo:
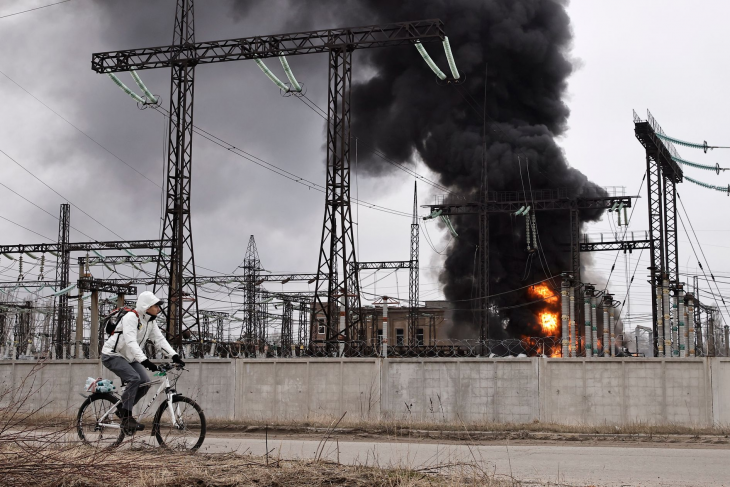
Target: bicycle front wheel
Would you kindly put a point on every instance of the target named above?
(187, 431)
(96, 425)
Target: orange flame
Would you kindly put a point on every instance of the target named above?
(544, 292)
(549, 323)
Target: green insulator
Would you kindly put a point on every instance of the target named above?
(124, 88)
(429, 61)
(450, 58)
(295, 86)
(271, 75)
(138, 80)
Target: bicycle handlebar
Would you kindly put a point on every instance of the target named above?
(170, 366)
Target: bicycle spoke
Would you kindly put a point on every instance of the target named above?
(92, 429)
(186, 431)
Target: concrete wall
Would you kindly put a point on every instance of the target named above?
(691, 392)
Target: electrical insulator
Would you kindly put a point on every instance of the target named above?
(43, 264)
(20, 268)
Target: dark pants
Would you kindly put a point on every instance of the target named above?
(133, 374)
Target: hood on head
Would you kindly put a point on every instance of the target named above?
(145, 300)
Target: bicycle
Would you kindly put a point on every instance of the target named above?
(184, 428)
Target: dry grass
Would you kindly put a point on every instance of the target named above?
(35, 450)
(72, 467)
(405, 428)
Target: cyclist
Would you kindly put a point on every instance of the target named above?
(122, 354)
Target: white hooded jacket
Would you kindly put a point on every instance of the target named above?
(135, 332)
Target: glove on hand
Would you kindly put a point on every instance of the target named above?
(177, 360)
(150, 366)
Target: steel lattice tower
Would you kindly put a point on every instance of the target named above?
(287, 325)
(179, 271)
(662, 175)
(413, 272)
(337, 247)
(252, 332)
(63, 267)
(337, 244)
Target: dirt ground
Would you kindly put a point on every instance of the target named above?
(517, 437)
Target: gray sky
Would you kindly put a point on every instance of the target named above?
(661, 55)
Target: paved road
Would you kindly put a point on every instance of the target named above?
(574, 465)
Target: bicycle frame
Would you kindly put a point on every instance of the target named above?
(169, 391)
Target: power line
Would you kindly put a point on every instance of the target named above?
(703, 255)
(42, 209)
(623, 237)
(25, 228)
(32, 9)
(322, 114)
(78, 129)
(278, 170)
(59, 194)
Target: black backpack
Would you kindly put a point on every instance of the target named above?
(111, 321)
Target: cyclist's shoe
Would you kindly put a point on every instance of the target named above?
(131, 426)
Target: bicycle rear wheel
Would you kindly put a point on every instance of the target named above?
(189, 431)
(92, 429)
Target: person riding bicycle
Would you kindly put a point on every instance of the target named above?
(122, 353)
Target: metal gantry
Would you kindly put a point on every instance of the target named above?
(662, 174)
(511, 202)
(337, 249)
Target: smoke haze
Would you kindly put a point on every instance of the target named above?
(400, 110)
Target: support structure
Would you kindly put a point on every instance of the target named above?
(63, 315)
(337, 245)
(662, 175)
(335, 272)
(413, 276)
(177, 273)
(252, 333)
(287, 329)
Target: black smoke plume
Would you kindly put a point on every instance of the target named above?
(524, 47)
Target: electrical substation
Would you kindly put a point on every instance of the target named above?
(559, 315)
(53, 317)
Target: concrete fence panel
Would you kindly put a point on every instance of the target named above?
(468, 390)
(720, 370)
(598, 391)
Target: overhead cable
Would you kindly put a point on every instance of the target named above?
(32, 9)
(78, 129)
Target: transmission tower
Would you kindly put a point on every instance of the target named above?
(337, 243)
(413, 272)
(662, 176)
(252, 325)
(63, 317)
(179, 271)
